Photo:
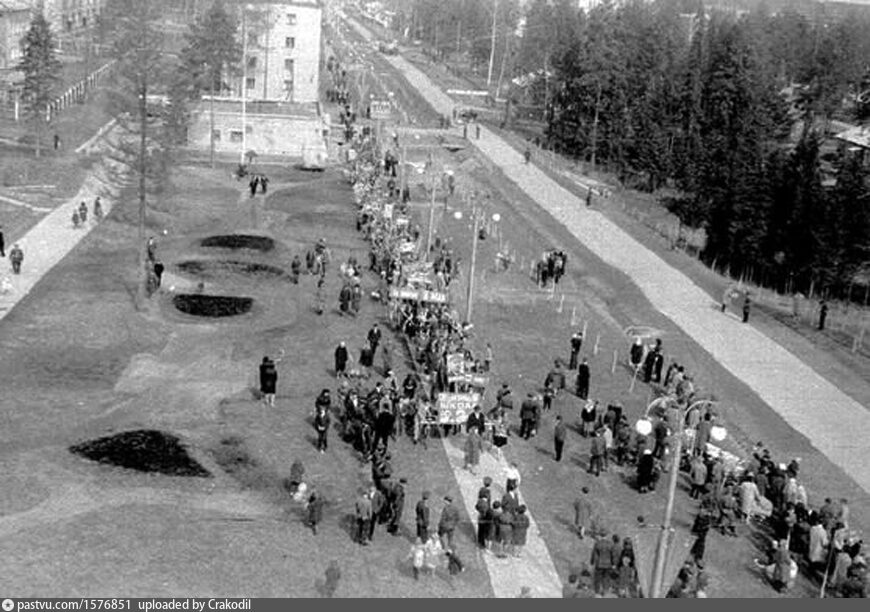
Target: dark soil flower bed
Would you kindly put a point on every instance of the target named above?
(212, 269)
(213, 306)
(239, 241)
(144, 450)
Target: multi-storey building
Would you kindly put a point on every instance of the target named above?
(15, 17)
(282, 50)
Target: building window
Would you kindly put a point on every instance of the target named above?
(235, 136)
(249, 129)
(252, 40)
(250, 83)
(290, 42)
(252, 61)
(216, 134)
(291, 18)
(288, 65)
(288, 89)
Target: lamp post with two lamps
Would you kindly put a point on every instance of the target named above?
(644, 427)
(476, 218)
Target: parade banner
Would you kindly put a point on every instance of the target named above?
(455, 364)
(454, 408)
(421, 295)
(475, 380)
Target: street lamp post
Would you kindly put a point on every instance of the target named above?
(644, 427)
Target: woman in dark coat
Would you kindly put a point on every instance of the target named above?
(645, 467)
(268, 380)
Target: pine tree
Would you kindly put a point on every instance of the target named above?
(41, 74)
(212, 50)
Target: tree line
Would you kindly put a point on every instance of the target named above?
(727, 110)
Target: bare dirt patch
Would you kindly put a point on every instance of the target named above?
(211, 269)
(142, 450)
(239, 241)
(213, 306)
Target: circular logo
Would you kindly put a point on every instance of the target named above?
(8, 605)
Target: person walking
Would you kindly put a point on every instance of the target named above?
(576, 344)
(314, 509)
(477, 131)
(746, 306)
(560, 434)
(528, 416)
(374, 338)
(396, 501)
(823, 314)
(527, 155)
(473, 448)
(341, 359)
(16, 256)
(417, 557)
(602, 563)
(268, 380)
(484, 519)
(698, 473)
(422, 513)
(98, 209)
(582, 512)
(596, 454)
(363, 517)
(447, 523)
(321, 424)
(521, 524)
(726, 297)
(583, 375)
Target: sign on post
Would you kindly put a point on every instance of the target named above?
(454, 408)
(381, 109)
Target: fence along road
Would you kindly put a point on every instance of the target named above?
(833, 422)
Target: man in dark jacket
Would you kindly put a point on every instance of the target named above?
(602, 563)
(560, 434)
(396, 500)
(528, 416)
(583, 375)
(476, 420)
(596, 454)
(447, 523)
(576, 344)
(422, 516)
(384, 423)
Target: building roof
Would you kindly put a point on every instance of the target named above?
(302, 3)
(858, 136)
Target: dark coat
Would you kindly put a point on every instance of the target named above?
(521, 526)
(341, 357)
(449, 519)
(268, 377)
(602, 554)
(477, 421)
(422, 512)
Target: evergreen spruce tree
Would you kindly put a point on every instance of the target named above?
(41, 75)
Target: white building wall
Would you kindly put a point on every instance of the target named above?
(283, 51)
(266, 134)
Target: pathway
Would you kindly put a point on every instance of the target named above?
(834, 423)
(50, 240)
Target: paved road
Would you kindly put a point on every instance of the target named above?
(834, 423)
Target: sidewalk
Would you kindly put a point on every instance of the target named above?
(51, 240)
(833, 422)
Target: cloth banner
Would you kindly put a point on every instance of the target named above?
(454, 408)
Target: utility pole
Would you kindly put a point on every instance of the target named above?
(244, 81)
(664, 536)
(492, 45)
(470, 297)
(431, 212)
